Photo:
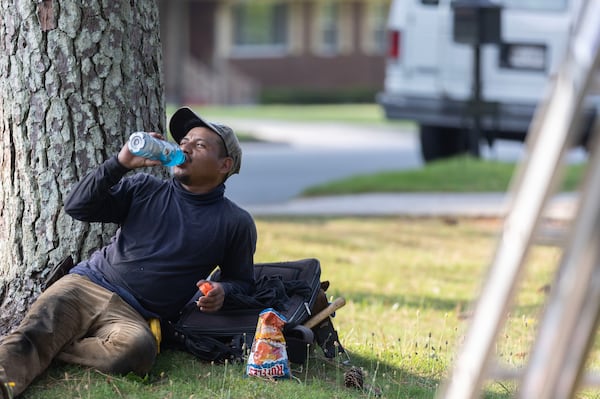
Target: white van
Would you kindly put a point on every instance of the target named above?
(431, 74)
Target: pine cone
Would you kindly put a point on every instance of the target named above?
(353, 378)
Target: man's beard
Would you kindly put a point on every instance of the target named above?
(182, 178)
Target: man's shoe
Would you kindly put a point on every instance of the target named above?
(6, 390)
(58, 271)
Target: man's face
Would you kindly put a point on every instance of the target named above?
(206, 163)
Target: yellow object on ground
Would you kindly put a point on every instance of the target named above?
(156, 331)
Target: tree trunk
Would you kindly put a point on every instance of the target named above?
(76, 78)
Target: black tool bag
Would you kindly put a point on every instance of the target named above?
(291, 288)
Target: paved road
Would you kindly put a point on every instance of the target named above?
(295, 156)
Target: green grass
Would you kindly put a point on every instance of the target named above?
(408, 284)
(460, 174)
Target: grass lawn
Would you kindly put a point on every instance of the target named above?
(408, 284)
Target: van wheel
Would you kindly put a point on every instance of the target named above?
(441, 142)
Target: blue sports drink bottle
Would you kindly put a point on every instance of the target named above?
(144, 145)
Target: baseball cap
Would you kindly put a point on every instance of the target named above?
(184, 119)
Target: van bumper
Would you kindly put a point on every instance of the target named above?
(502, 120)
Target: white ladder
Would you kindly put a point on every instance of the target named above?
(568, 326)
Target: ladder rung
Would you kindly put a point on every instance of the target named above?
(552, 235)
(591, 379)
(500, 373)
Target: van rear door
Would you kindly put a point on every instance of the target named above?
(533, 38)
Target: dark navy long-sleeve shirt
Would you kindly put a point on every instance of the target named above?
(168, 239)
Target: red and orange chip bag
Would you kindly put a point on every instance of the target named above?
(268, 356)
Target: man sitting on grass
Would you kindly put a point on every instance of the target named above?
(172, 235)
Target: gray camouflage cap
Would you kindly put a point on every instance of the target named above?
(184, 119)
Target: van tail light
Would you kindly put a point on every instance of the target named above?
(394, 41)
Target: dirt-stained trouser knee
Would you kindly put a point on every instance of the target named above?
(79, 322)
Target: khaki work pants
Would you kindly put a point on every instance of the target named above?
(79, 322)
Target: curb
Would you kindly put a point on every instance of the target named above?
(474, 205)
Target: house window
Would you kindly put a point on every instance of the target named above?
(374, 40)
(260, 28)
(333, 28)
(379, 15)
(328, 27)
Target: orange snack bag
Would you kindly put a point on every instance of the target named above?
(268, 356)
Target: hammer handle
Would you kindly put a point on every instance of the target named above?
(323, 314)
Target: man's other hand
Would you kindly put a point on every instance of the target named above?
(213, 300)
(130, 161)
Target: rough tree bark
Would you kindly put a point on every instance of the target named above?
(76, 78)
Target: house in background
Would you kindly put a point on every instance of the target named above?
(248, 51)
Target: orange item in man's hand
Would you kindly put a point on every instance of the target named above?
(205, 287)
